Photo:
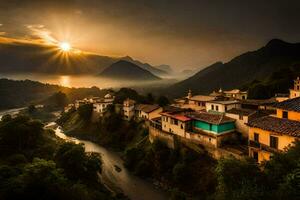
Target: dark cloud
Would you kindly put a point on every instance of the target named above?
(181, 33)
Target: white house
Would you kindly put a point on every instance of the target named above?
(241, 117)
(221, 106)
(100, 104)
(175, 123)
(148, 111)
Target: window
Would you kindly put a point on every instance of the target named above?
(243, 97)
(241, 117)
(255, 156)
(284, 114)
(181, 126)
(298, 87)
(217, 108)
(256, 137)
(212, 107)
(175, 121)
(225, 108)
(274, 142)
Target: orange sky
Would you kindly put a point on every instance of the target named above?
(183, 34)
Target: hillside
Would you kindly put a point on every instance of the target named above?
(125, 70)
(258, 65)
(154, 70)
(22, 93)
(24, 57)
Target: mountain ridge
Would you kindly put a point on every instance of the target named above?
(125, 70)
(241, 70)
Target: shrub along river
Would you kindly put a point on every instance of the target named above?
(114, 175)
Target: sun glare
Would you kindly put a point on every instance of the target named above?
(65, 46)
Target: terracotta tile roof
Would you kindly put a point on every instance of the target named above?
(277, 125)
(147, 108)
(225, 102)
(235, 91)
(177, 115)
(202, 98)
(258, 102)
(290, 104)
(211, 118)
(241, 111)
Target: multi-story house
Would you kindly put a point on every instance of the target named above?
(128, 109)
(221, 106)
(147, 111)
(271, 134)
(295, 92)
(196, 102)
(236, 94)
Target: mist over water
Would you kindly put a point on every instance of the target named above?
(86, 80)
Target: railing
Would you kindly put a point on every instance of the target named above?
(263, 147)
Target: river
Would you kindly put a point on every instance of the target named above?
(123, 181)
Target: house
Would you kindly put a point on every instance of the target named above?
(258, 104)
(211, 129)
(148, 111)
(295, 92)
(232, 94)
(220, 106)
(236, 94)
(128, 109)
(100, 105)
(271, 134)
(196, 102)
(241, 116)
(175, 122)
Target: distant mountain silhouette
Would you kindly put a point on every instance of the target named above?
(127, 71)
(25, 57)
(166, 68)
(154, 70)
(276, 55)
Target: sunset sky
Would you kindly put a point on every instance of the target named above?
(183, 34)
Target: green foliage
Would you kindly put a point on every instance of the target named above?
(35, 165)
(163, 101)
(20, 133)
(125, 93)
(77, 164)
(57, 101)
(85, 111)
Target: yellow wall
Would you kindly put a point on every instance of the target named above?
(173, 128)
(264, 138)
(291, 115)
(262, 155)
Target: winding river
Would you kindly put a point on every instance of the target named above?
(119, 181)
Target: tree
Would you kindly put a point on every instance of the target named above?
(150, 98)
(163, 101)
(85, 111)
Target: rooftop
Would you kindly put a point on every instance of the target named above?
(225, 102)
(176, 115)
(277, 125)
(147, 108)
(290, 104)
(241, 111)
(202, 98)
(211, 118)
(235, 91)
(258, 102)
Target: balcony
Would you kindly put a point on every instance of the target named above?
(262, 147)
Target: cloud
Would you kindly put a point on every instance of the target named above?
(39, 33)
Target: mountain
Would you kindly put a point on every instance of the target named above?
(24, 57)
(15, 93)
(259, 65)
(166, 68)
(127, 71)
(19, 57)
(146, 66)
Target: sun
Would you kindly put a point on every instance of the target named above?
(65, 46)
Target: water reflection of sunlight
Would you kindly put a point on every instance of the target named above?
(65, 81)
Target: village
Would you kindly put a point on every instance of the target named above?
(225, 123)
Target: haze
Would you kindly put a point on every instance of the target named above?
(183, 34)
